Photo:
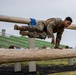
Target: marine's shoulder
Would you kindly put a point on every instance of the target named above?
(58, 19)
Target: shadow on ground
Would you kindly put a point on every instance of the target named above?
(41, 70)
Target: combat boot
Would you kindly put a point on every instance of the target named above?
(16, 27)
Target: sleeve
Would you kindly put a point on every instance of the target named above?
(58, 39)
(50, 27)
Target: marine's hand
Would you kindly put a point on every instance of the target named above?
(59, 48)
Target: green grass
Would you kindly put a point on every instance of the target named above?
(65, 73)
(49, 62)
(52, 62)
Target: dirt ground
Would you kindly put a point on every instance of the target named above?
(41, 70)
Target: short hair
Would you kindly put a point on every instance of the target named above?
(69, 19)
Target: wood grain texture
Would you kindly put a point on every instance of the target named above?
(12, 55)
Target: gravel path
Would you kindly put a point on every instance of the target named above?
(43, 70)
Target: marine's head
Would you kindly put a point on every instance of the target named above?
(67, 22)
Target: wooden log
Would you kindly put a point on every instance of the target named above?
(14, 19)
(73, 27)
(25, 21)
(10, 55)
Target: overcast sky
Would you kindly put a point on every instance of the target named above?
(41, 10)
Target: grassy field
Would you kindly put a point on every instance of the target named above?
(53, 62)
(65, 73)
(57, 62)
(49, 62)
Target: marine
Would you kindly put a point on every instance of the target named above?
(46, 28)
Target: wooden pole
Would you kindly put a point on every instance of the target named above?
(17, 65)
(10, 55)
(73, 27)
(25, 21)
(32, 64)
(14, 19)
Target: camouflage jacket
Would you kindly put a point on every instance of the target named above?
(54, 25)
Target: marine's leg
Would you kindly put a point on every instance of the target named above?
(33, 34)
(16, 27)
(42, 35)
(23, 33)
(25, 28)
(38, 27)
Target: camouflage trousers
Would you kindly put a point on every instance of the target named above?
(36, 31)
(40, 35)
(39, 30)
(40, 26)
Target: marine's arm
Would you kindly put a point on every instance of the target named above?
(50, 27)
(58, 39)
(53, 40)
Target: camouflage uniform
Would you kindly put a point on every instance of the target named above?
(40, 35)
(48, 27)
(54, 25)
(38, 31)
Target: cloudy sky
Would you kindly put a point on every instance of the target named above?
(41, 10)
